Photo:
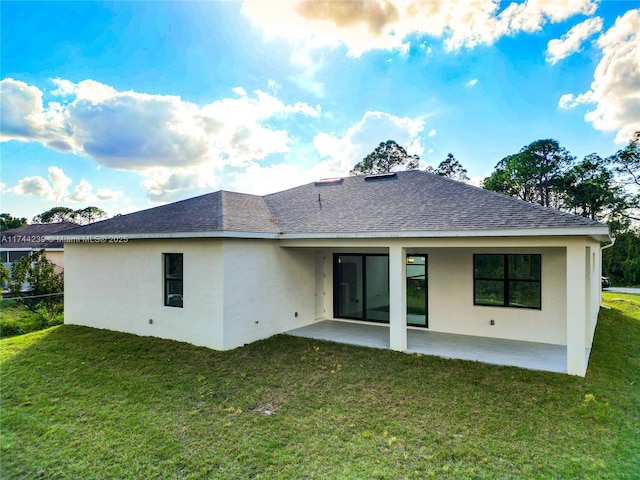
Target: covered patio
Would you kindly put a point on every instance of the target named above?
(530, 355)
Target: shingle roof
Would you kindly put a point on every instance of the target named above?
(32, 236)
(412, 201)
(213, 212)
(409, 201)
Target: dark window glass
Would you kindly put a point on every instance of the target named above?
(417, 290)
(15, 256)
(524, 267)
(524, 294)
(173, 279)
(489, 292)
(507, 280)
(489, 266)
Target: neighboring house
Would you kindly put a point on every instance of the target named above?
(409, 252)
(23, 241)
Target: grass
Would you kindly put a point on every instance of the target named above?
(85, 403)
(16, 319)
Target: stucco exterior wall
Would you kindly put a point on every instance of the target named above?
(264, 287)
(451, 306)
(595, 288)
(120, 286)
(56, 256)
(240, 290)
(450, 293)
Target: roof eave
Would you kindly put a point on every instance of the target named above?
(125, 237)
(600, 233)
(595, 232)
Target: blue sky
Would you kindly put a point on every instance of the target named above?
(127, 105)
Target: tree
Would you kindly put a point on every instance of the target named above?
(82, 216)
(7, 222)
(626, 162)
(588, 189)
(621, 262)
(37, 284)
(532, 172)
(546, 162)
(89, 215)
(451, 168)
(56, 215)
(512, 177)
(5, 278)
(387, 157)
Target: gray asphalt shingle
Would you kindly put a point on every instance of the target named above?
(33, 236)
(409, 201)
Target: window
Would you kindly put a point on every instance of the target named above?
(507, 280)
(173, 279)
(15, 256)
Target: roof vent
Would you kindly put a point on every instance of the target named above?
(329, 181)
(379, 176)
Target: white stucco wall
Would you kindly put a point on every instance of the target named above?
(264, 287)
(239, 290)
(595, 289)
(451, 306)
(120, 286)
(450, 293)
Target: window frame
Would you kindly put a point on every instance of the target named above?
(426, 288)
(167, 279)
(507, 280)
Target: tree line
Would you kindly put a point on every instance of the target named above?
(543, 172)
(82, 216)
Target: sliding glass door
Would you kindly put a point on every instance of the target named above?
(349, 286)
(361, 287)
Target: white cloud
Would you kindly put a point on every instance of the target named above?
(471, 83)
(240, 91)
(476, 181)
(342, 153)
(281, 176)
(571, 41)
(307, 70)
(83, 192)
(37, 186)
(23, 116)
(432, 132)
(380, 24)
(149, 133)
(615, 89)
(56, 188)
(164, 184)
(20, 110)
(59, 183)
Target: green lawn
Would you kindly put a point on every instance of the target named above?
(85, 403)
(16, 319)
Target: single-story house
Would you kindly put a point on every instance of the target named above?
(23, 241)
(395, 255)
